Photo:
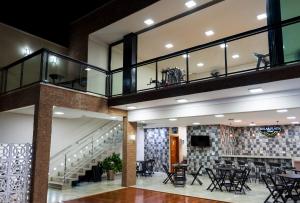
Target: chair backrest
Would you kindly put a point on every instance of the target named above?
(258, 163)
(241, 163)
(272, 164)
(227, 162)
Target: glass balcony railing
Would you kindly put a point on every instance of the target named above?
(49, 67)
(238, 54)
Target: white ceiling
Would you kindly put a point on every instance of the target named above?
(259, 118)
(68, 113)
(271, 87)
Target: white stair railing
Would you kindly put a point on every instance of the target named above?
(85, 151)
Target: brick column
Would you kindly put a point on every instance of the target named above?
(129, 153)
(41, 151)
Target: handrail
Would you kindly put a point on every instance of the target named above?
(215, 43)
(78, 141)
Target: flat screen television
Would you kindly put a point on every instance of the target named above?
(200, 141)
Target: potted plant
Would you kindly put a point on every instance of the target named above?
(112, 165)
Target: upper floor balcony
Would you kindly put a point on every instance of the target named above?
(247, 58)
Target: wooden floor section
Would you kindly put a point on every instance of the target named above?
(134, 195)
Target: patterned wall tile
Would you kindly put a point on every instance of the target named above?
(156, 146)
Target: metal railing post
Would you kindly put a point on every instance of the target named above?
(65, 168)
(225, 58)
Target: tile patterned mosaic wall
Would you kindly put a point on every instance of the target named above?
(156, 146)
(203, 156)
(284, 145)
(242, 143)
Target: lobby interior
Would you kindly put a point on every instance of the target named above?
(147, 105)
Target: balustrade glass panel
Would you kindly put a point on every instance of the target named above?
(291, 44)
(205, 63)
(116, 56)
(13, 77)
(146, 77)
(248, 53)
(31, 71)
(172, 71)
(117, 83)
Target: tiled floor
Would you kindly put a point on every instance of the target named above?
(257, 195)
(136, 195)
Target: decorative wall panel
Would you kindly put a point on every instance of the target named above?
(15, 167)
(156, 146)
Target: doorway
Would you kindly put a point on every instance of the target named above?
(174, 151)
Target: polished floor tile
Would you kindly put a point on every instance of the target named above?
(136, 195)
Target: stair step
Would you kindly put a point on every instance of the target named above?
(58, 185)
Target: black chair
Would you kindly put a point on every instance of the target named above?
(179, 176)
(260, 169)
(274, 168)
(169, 175)
(195, 175)
(228, 163)
(241, 165)
(239, 180)
(276, 190)
(215, 180)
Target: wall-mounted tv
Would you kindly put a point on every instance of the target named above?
(200, 141)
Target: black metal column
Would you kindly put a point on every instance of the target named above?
(129, 59)
(275, 35)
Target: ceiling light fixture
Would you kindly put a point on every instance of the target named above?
(295, 122)
(181, 100)
(131, 107)
(172, 119)
(235, 56)
(190, 4)
(87, 69)
(223, 46)
(237, 121)
(59, 113)
(252, 124)
(282, 111)
(209, 33)
(149, 21)
(169, 46)
(256, 90)
(113, 117)
(219, 116)
(200, 64)
(261, 16)
(186, 56)
(291, 117)
(196, 123)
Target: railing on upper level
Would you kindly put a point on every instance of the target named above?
(53, 68)
(238, 54)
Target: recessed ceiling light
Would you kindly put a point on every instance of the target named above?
(190, 4)
(59, 113)
(131, 107)
(282, 111)
(186, 56)
(169, 46)
(172, 119)
(237, 121)
(295, 122)
(209, 33)
(149, 21)
(113, 117)
(261, 16)
(291, 117)
(196, 123)
(87, 69)
(252, 124)
(200, 64)
(235, 56)
(223, 46)
(219, 116)
(256, 90)
(181, 100)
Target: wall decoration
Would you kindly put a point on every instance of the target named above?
(270, 131)
(156, 146)
(15, 166)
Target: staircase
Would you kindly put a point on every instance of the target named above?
(72, 162)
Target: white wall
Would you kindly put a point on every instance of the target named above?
(183, 143)
(13, 41)
(18, 128)
(140, 144)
